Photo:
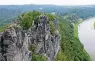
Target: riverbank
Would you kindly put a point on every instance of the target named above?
(76, 36)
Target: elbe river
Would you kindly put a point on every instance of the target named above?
(86, 33)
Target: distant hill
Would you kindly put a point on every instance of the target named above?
(8, 15)
(9, 12)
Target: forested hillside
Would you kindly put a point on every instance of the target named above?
(8, 15)
(71, 48)
(9, 12)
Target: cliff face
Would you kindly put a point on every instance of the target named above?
(14, 45)
(15, 42)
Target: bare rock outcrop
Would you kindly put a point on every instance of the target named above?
(14, 45)
(15, 42)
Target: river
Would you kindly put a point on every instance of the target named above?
(86, 33)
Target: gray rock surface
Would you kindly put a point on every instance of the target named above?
(14, 45)
(45, 42)
(15, 41)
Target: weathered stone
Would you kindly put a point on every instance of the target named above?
(14, 46)
(45, 42)
(15, 41)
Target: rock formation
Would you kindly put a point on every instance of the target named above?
(15, 42)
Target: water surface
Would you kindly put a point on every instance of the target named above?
(87, 36)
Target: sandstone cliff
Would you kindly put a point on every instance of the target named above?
(17, 44)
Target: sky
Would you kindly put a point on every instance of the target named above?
(55, 2)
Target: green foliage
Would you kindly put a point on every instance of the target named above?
(52, 27)
(38, 57)
(2, 29)
(76, 27)
(70, 44)
(73, 18)
(50, 17)
(60, 56)
(94, 25)
(26, 19)
(75, 30)
(76, 59)
(32, 48)
(8, 15)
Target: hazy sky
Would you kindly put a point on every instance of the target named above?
(56, 2)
